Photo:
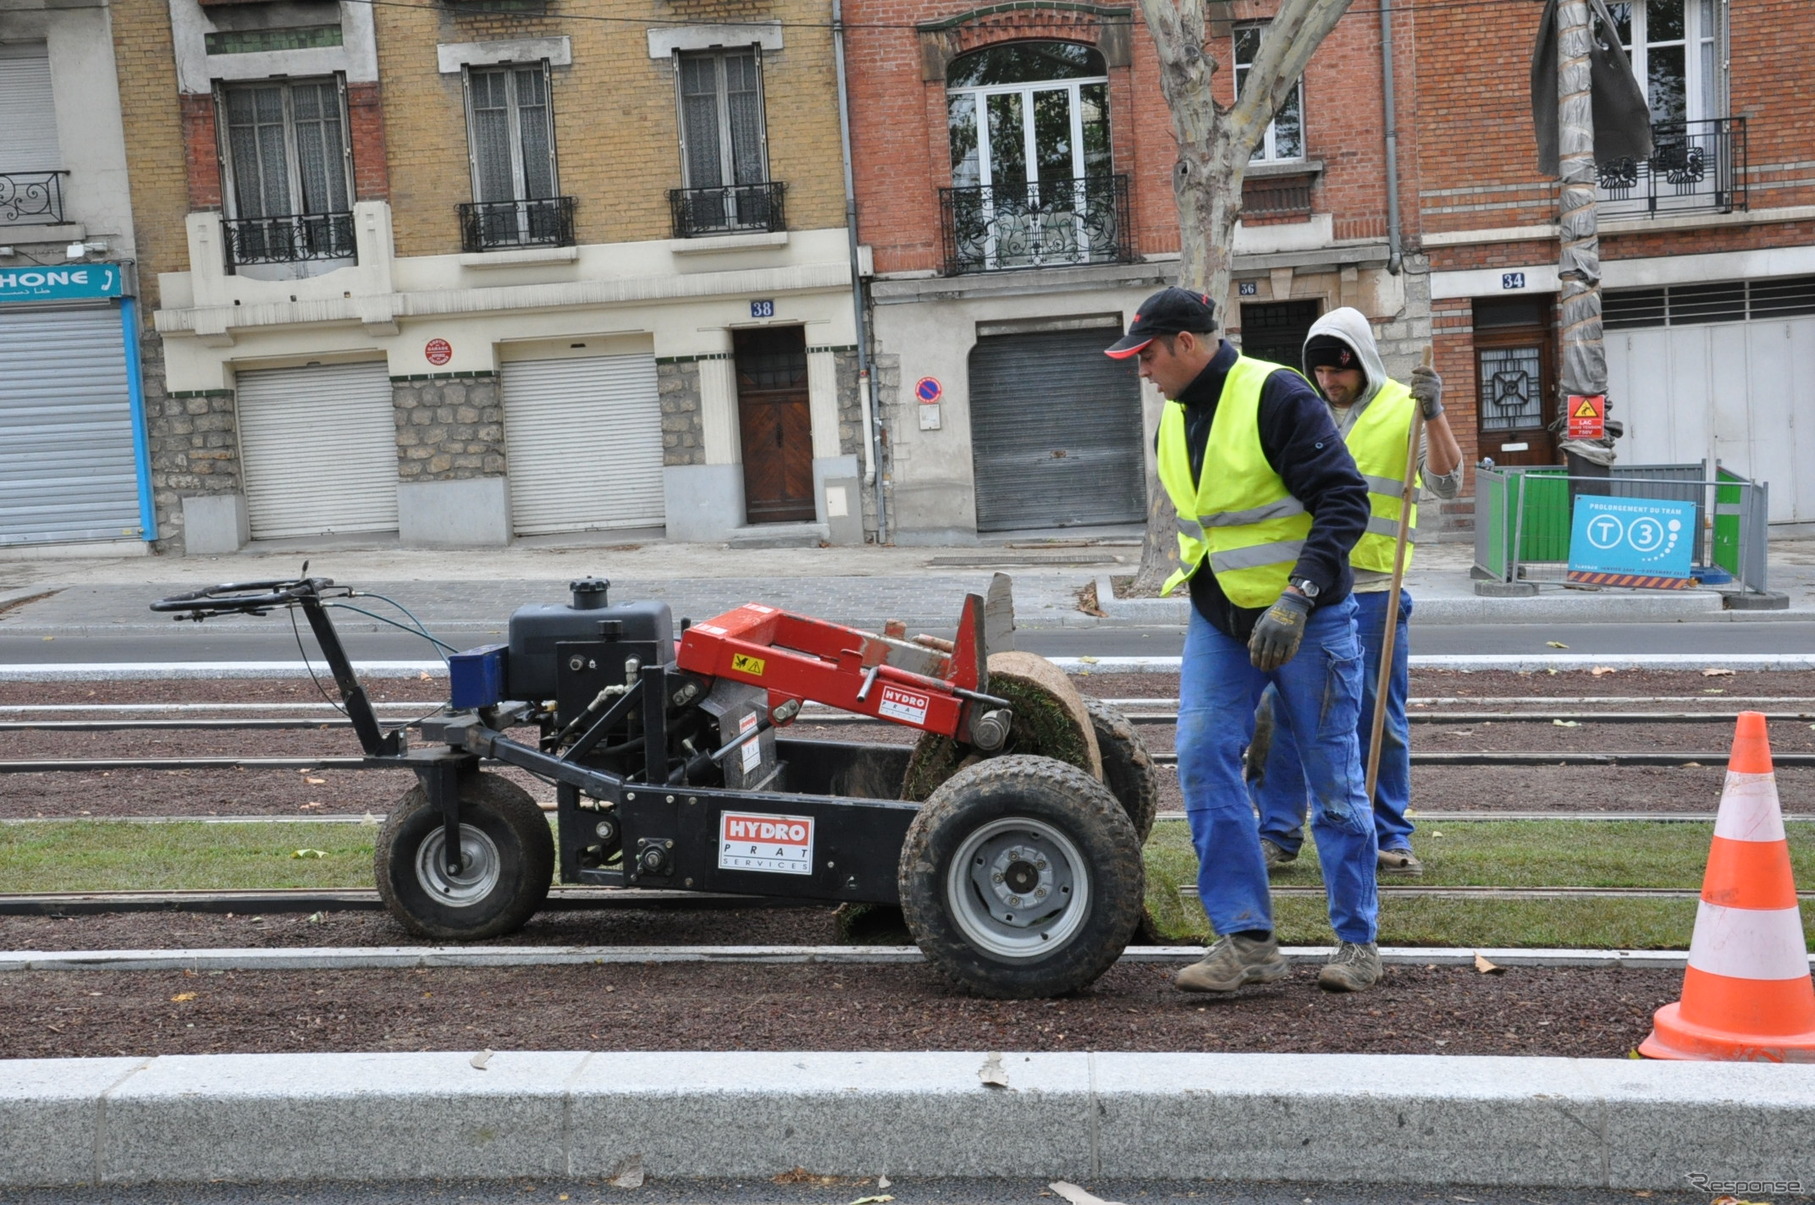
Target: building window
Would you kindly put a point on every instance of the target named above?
(1672, 47)
(288, 166)
(511, 145)
(31, 184)
(1032, 179)
(1285, 136)
(725, 185)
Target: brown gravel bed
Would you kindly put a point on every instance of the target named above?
(801, 925)
(1416, 1010)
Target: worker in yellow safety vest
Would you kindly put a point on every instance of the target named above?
(1269, 505)
(1374, 415)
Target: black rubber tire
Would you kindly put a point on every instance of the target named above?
(1128, 767)
(512, 841)
(983, 815)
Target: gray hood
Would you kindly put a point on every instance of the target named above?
(1351, 326)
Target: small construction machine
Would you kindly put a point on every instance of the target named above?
(1009, 835)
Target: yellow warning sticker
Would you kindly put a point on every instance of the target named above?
(743, 663)
(1586, 409)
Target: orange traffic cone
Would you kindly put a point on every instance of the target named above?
(1747, 995)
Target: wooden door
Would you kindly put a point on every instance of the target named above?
(776, 422)
(1515, 382)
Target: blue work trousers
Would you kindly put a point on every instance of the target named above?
(1320, 688)
(1280, 794)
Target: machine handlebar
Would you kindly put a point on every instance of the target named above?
(247, 598)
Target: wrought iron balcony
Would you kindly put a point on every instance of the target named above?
(31, 198)
(495, 225)
(290, 238)
(734, 209)
(1694, 167)
(1043, 225)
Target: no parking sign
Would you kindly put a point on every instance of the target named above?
(1645, 542)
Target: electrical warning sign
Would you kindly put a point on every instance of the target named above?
(1587, 416)
(907, 706)
(771, 844)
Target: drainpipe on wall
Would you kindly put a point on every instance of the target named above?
(866, 376)
(1394, 253)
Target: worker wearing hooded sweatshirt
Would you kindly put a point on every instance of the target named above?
(1269, 504)
(1374, 416)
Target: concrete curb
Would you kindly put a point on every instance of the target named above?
(1568, 606)
(255, 1119)
(335, 958)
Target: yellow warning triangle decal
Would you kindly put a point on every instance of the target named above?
(1585, 410)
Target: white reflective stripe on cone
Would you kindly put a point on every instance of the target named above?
(1749, 809)
(1748, 943)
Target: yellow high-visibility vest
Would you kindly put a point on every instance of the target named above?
(1377, 442)
(1238, 516)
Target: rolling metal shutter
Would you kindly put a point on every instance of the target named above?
(320, 450)
(1717, 372)
(584, 438)
(1055, 432)
(67, 468)
(28, 113)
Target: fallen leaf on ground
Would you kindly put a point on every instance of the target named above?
(991, 1073)
(1714, 672)
(1567, 723)
(629, 1173)
(1077, 1196)
(1488, 968)
(1088, 660)
(315, 782)
(180, 997)
(1598, 670)
(309, 853)
(481, 1059)
(876, 1200)
(1556, 644)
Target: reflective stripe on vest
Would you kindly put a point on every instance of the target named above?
(1248, 527)
(1377, 442)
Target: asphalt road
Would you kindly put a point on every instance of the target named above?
(839, 1192)
(270, 639)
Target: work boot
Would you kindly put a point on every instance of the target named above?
(1400, 861)
(1354, 967)
(1233, 961)
(1276, 855)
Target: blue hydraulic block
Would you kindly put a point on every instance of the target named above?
(476, 677)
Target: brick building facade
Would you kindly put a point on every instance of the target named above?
(1708, 258)
(1002, 270)
(473, 271)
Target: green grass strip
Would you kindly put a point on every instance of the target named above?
(1517, 853)
(88, 855)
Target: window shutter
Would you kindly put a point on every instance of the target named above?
(28, 115)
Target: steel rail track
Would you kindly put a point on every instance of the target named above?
(1476, 817)
(310, 899)
(285, 901)
(1700, 758)
(1189, 892)
(1138, 717)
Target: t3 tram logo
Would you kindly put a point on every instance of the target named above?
(768, 843)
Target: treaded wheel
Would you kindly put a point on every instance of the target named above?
(507, 855)
(1128, 767)
(1021, 877)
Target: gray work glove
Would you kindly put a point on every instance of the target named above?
(1279, 632)
(1427, 391)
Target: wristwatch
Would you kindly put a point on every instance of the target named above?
(1304, 586)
